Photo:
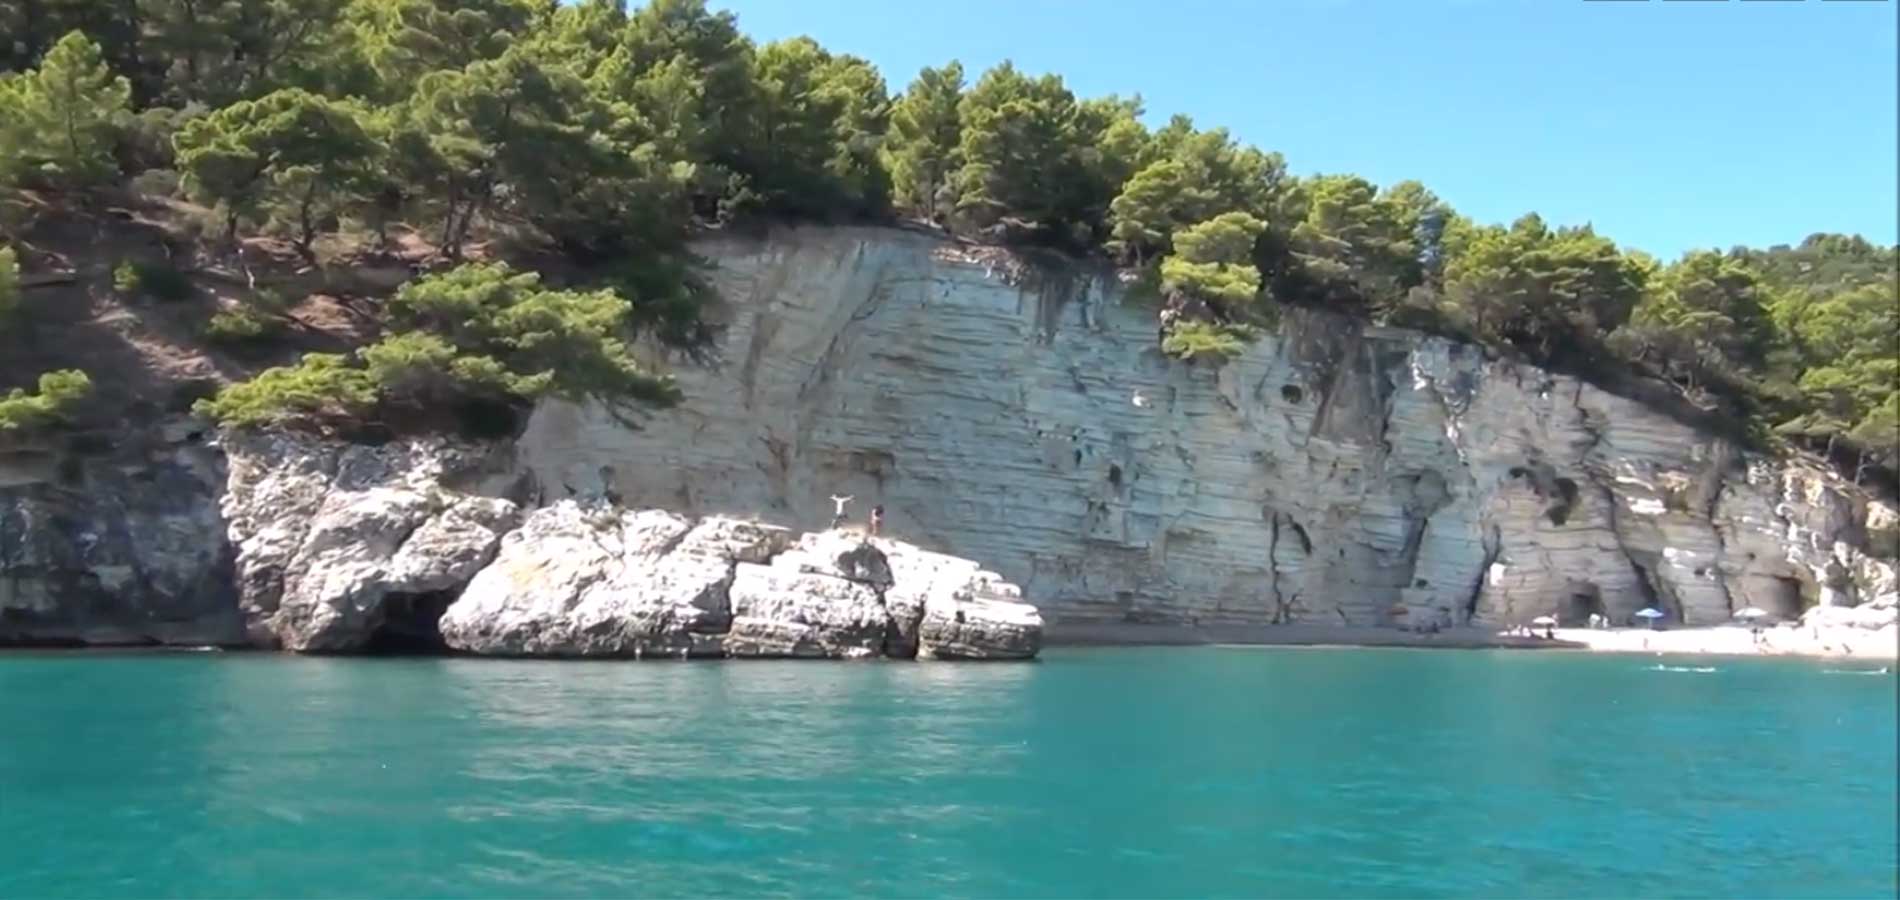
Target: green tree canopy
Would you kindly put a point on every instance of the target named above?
(1213, 261)
(1190, 176)
(58, 393)
(290, 153)
(1541, 289)
(403, 40)
(220, 51)
(1707, 311)
(1358, 245)
(58, 123)
(517, 135)
(818, 122)
(921, 149)
(1026, 153)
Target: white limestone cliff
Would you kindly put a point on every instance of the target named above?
(1015, 419)
(1022, 415)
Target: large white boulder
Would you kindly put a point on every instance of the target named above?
(592, 580)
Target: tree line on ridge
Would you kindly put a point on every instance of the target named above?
(607, 134)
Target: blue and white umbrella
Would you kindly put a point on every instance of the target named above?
(1650, 612)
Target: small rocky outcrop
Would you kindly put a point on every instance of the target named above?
(330, 538)
(590, 580)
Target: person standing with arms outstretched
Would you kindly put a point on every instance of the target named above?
(837, 513)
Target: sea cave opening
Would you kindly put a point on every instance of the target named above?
(411, 626)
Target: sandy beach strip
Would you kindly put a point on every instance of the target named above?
(1841, 642)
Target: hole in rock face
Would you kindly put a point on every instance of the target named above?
(1785, 600)
(1420, 583)
(1291, 393)
(1115, 474)
(489, 419)
(411, 625)
(1585, 599)
(1566, 500)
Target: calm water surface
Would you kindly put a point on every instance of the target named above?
(1133, 773)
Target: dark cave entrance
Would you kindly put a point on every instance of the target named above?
(412, 625)
(1785, 601)
(1583, 600)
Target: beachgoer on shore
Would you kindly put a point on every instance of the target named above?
(877, 519)
(837, 512)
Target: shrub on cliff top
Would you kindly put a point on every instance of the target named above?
(487, 330)
(58, 392)
(1207, 340)
(323, 386)
(476, 335)
(242, 325)
(1211, 261)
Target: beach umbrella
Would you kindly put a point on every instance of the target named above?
(1752, 612)
(1651, 613)
(1544, 620)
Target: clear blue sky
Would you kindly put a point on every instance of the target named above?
(1668, 125)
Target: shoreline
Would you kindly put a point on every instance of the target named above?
(1832, 642)
(1809, 642)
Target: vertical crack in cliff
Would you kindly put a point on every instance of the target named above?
(1493, 548)
(1054, 284)
(765, 328)
(1718, 483)
(1273, 566)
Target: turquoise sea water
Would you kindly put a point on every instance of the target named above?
(1128, 772)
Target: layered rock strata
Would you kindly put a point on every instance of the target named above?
(1005, 410)
(1021, 414)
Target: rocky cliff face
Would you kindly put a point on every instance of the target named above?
(1013, 413)
(341, 548)
(116, 544)
(1022, 415)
